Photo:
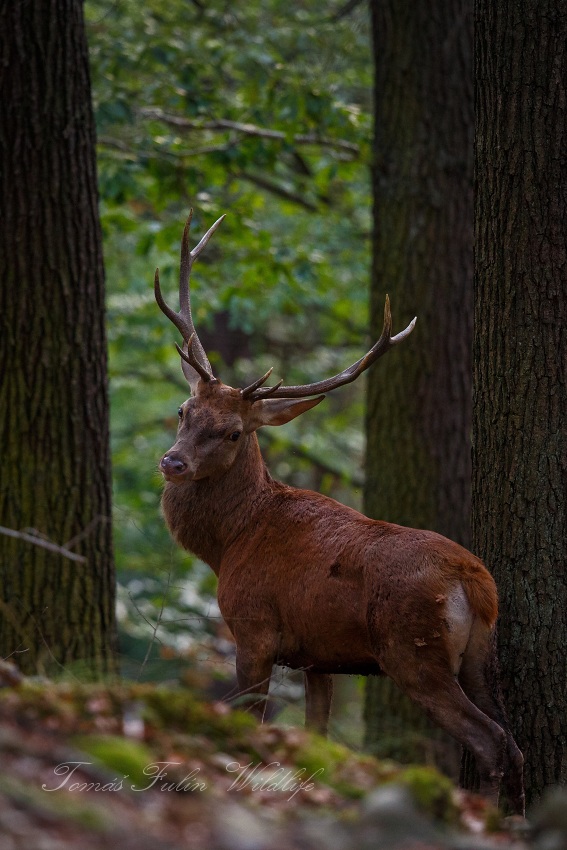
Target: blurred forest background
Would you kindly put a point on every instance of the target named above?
(266, 116)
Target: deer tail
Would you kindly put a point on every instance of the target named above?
(481, 592)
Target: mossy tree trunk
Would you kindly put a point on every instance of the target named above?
(520, 362)
(55, 466)
(419, 400)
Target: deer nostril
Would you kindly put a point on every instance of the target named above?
(172, 465)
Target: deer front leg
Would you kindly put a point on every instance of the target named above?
(253, 673)
(318, 697)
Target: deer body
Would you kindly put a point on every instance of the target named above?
(307, 572)
(311, 584)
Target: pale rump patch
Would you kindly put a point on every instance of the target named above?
(459, 618)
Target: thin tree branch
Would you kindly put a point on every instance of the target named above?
(345, 10)
(261, 182)
(277, 189)
(44, 544)
(156, 626)
(353, 478)
(130, 151)
(249, 130)
(70, 544)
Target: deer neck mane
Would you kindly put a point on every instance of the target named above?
(205, 516)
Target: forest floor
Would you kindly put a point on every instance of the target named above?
(144, 766)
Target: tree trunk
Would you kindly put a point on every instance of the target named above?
(419, 403)
(53, 385)
(520, 360)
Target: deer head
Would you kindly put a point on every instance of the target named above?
(216, 421)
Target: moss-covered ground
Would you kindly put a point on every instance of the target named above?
(133, 765)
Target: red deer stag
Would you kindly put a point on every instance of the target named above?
(308, 583)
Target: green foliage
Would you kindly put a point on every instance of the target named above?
(261, 111)
(318, 754)
(432, 791)
(178, 709)
(125, 757)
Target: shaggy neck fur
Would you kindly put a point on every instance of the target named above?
(206, 516)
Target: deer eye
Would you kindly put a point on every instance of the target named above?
(180, 413)
(234, 436)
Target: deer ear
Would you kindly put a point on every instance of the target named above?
(278, 411)
(191, 375)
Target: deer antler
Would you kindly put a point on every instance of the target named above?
(247, 392)
(255, 391)
(183, 320)
(189, 357)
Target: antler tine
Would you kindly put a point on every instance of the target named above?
(189, 357)
(203, 242)
(185, 271)
(247, 391)
(187, 259)
(166, 309)
(383, 345)
(183, 320)
(270, 391)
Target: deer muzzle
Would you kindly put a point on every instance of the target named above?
(172, 466)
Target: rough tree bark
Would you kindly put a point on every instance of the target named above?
(53, 384)
(520, 360)
(419, 402)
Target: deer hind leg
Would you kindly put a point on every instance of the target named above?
(479, 678)
(253, 673)
(318, 698)
(427, 677)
